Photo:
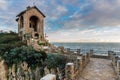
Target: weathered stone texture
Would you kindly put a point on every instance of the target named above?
(31, 24)
(3, 71)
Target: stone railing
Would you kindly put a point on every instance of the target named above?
(76, 63)
(75, 68)
(115, 62)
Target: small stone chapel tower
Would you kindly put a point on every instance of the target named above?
(31, 24)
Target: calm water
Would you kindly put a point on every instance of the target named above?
(99, 48)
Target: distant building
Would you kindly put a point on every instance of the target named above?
(31, 24)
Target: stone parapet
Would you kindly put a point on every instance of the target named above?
(91, 52)
(74, 69)
(69, 71)
(110, 54)
(115, 63)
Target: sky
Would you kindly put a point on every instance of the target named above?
(69, 20)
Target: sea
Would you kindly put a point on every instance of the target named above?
(99, 48)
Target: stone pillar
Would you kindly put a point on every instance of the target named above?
(68, 50)
(78, 51)
(91, 52)
(116, 58)
(84, 60)
(81, 64)
(88, 57)
(110, 54)
(69, 71)
(79, 59)
(118, 67)
(61, 49)
(77, 63)
(113, 59)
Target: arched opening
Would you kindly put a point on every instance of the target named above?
(34, 23)
(36, 35)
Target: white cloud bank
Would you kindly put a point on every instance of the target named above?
(90, 35)
(3, 4)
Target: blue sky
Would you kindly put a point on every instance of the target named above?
(69, 20)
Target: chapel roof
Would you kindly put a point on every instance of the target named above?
(29, 8)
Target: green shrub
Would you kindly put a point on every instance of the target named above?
(55, 60)
(9, 41)
(13, 51)
(21, 54)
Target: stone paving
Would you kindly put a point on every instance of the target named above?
(98, 69)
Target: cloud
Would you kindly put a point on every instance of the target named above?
(61, 8)
(97, 13)
(105, 34)
(57, 12)
(3, 4)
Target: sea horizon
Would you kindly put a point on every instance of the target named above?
(98, 47)
(84, 42)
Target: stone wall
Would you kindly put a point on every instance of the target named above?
(115, 63)
(75, 68)
(23, 72)
(19, 72)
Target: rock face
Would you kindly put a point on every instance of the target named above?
(3, 71)
(23, 72)
(18, 72)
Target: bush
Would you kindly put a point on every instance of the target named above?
(12, 52)
(9, 41)
(55, 60)
(21, 54)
